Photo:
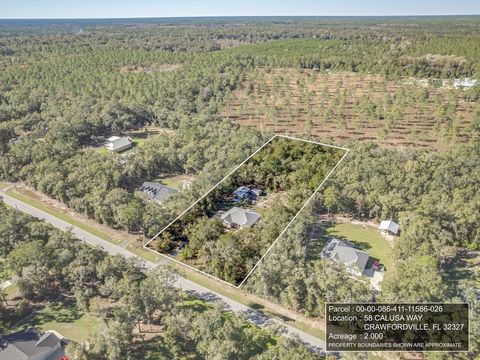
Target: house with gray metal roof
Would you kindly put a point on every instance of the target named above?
(117, 144)
(30, 344)
(342, 252)
(238, 218)
(157, 192)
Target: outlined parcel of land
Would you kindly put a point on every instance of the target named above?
(227, 232)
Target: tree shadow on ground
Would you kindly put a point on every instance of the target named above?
(61, 312)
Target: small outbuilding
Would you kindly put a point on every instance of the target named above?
(117, 144)
(389, 227)
(238, 218)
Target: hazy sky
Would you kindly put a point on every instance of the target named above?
(168, 8)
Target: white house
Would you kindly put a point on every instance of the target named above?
(117, 144)
(238, 218)
(389, 227)
(466, 83)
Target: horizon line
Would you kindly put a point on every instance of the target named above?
(239, 16)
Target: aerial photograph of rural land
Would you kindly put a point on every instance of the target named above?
(226, 180)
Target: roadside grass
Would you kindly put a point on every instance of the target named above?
(3, 185)
(28, 199)
(65, 318)
(366, 238)
(195, 304)
(238, 296)
(143, 253)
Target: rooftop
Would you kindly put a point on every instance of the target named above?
(241, 217)
(31, 344)
(389, 225)
(344, 252)
(157, 192)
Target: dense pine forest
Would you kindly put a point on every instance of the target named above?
(67, 86)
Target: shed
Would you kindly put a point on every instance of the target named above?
(389, 226)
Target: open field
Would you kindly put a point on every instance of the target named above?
(155, 67)
(32, 199)
(346, 106)
(139, 136)
(366, 238)
(176, 181)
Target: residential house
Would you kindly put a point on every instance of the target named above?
(240, 193)
(342, 252)
(466, 83)
(238, 218)
(157, 192)
(117, 144)
(246, 194)
(31, 344)
(389, 227)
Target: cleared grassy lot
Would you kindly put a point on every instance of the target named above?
(66, 319)
(366, 238)
(175, 181)
(30, 200)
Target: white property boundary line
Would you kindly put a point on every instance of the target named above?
(230, 173)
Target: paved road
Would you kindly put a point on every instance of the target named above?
(189, 286)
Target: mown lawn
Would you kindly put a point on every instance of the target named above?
(175, 181)
(26, 198)
(66, 319)
(366, 238)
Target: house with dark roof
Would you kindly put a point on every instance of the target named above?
(389, 227)
(238, 218)
(30, 344)
(246, 194)
(342, 252)
(157, 192)
(117, 144)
